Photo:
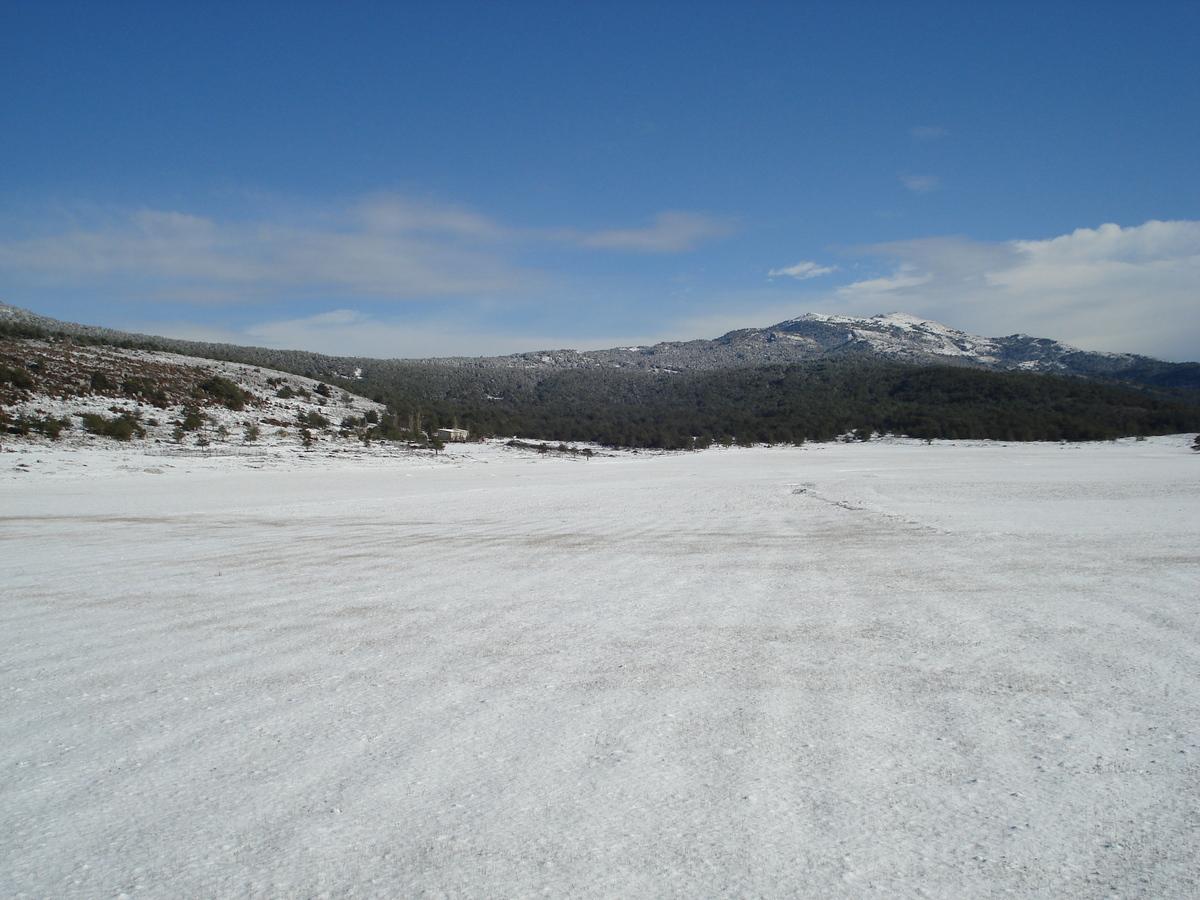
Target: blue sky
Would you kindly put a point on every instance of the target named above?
(418, 179)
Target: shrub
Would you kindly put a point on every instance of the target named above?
(252, 434)
(18, 378)
(155, 395)
(121, 428)
(192, 419)
(285, 392)
(52, 427)
(48, 426)
(322, 389)
(224, 391)
(313, 420)
(101, 382)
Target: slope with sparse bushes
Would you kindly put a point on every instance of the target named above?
(61, 389)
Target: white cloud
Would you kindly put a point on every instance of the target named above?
(921, 184)
(1133, 289)
(672, 232)
(802, 270)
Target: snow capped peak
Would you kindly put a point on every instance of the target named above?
(904, 320)
(892, 319)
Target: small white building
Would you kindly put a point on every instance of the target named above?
(452, 435)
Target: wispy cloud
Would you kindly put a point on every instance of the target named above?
(921, 184)
(905, 276)
(927, 132)
(384, 247)
(1134, 289)
(388, 213)
(345, 332)
(802, 270)
(671, 232)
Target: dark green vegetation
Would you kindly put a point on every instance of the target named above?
(312, 419)
(17, 377)
(224, 392)
(47, 425)
(192, 419)
(122, 427)
(777, 404)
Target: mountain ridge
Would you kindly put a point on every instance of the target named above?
(895, 336)
(810, 378)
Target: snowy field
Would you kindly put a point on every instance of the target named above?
(845, 670)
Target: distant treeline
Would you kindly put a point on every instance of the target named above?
(25, 331)
(774, 404)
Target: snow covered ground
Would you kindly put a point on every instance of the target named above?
(844, 670)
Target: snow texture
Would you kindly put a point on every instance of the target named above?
(848, 670)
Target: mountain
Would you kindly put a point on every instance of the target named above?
(897, 337)
(810, 378)
(891, 336)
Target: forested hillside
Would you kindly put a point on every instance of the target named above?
(816, 401)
